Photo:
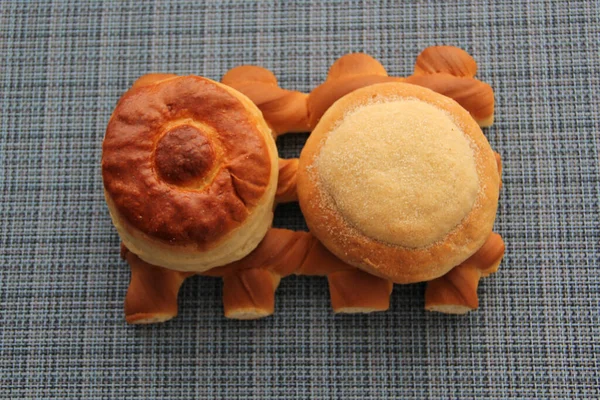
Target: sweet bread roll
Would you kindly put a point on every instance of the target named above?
(190, 172)
(399, 181)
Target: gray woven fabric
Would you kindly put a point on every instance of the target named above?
(63, 65)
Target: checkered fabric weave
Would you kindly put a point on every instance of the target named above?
(63, 65)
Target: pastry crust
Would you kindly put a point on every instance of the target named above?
(190, 172)
(284, 110)
(444, 69)
(447, 70)
(399, 263)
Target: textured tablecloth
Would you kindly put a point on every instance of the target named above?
(63, 65)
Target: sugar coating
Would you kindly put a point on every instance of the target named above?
(401, 172)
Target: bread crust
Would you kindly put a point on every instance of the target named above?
(397, 263)
(447, 70)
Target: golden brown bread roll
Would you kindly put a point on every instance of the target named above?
(447, 70)
(190, 172)
(249, 284)
(399, 181)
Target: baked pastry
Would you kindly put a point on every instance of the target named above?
(285, 110)
(190, 172)
(456, 291)
(249, 284)
(191, 177)
(399, 181)
(447, 70)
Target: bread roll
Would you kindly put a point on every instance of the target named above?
(399, 181)
(190, 172)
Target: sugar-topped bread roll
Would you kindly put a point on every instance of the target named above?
(190, 172)
(399, 181)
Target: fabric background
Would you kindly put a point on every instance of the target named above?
(63, 65)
